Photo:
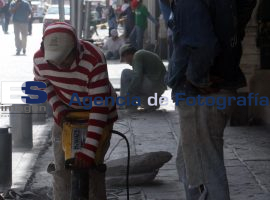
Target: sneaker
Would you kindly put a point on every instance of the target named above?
(24, 51)
(18, 52)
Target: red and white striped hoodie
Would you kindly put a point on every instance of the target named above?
(88, 77)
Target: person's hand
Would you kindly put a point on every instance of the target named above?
(81, 163)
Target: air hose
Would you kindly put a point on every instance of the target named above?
(128, 159)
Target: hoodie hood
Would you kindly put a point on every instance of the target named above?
(59, 39)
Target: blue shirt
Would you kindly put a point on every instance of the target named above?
(22, 11)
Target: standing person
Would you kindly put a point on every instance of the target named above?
(99, 12)
(206, 59)
(112, 20)
(130, 20)
(69, 65)
(30, 21)
(125, 5)
(7, 15)
(146, 77)
(141, 15)
(21, 11)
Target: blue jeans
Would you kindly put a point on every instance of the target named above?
(147, 88)
(200, 160)
(136, 37)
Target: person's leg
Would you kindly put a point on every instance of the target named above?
(108, 55)
(24, 32)
(150, 88)
(140, 37)
(213, 122)
(3, 21)
(7, 18)
(126, 78)
(110, 28)
(97, 184)
(61, 176)
(132, 37)
(115, 55)
(30, 26)
(17, 37)
(200, 161)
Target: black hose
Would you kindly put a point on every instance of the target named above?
(128, 159)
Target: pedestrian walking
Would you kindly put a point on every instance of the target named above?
(141, 15)
(21, 11)
(129, 14)
(112, 20)
(99, 10)
(205, 67)
(6, 16)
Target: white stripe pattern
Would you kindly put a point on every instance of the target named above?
(95, 129)
(99, 76)
(98, 90)
(65, 74)
(92, 142)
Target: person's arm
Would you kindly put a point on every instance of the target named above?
(14, 7)
(137, 66)
(58, 107)
(149, 16)
(165, 9)
(123, 13)
(99, 86)
(30, 10)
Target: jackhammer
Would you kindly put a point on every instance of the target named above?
(73, 138)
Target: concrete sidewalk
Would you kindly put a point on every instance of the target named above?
(247, 158)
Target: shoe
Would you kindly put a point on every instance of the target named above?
(24, 51)
(18, 52)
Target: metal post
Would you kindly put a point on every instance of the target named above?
(61, 4)
(21, 125)
(39, 113)
(73, 13)
(5, 159)
(79, 18)
(162, 37)
(87, 19)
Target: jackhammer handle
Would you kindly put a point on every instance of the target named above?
(69, 164)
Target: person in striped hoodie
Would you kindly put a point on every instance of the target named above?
(69, 65)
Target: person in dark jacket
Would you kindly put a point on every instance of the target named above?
(205, 67)
(130, 20)
(7, 15)
(111, 20)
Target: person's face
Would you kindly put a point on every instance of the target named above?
(67, 62)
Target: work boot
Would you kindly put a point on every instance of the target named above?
(97, 185)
